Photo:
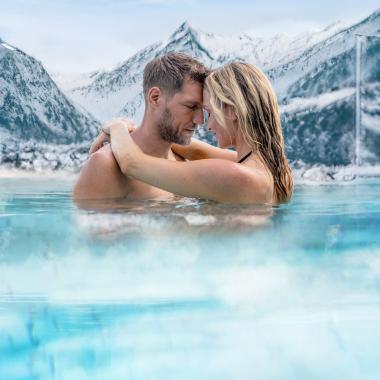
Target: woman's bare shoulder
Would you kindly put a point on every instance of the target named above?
(234, 182)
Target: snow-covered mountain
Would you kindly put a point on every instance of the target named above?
(266, 53)
(313, 74)
(314, 60)
(33, 110)
(33, 107)
(119, 91)
(324, 133)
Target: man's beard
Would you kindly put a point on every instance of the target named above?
(169, 133)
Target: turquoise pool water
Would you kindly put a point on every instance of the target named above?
(189, 289)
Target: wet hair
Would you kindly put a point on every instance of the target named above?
(170, 71)
(246, 89)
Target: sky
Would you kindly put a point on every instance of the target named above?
(74, 36)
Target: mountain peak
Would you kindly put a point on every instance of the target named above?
(184, 26)
(184, 29)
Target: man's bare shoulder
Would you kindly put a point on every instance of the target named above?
(101, 177)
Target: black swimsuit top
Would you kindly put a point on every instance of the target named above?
(245, 157)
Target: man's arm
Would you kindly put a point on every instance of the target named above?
(199, 150)
(101, 178)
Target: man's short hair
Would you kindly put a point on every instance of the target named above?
(169, 72)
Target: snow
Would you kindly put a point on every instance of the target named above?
(69, 81)
(318, 175)
(318, 102)
(113, 93)
(30, 93)
(7, 46)
(370, 122)
(39, 157)
(311, 58)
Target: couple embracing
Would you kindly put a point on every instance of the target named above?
(160, 158)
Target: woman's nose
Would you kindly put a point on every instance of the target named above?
(198, 117)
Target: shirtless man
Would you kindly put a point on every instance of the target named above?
(173, 86)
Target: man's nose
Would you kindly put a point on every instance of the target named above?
(198, 118)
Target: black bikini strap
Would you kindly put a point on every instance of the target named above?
(245, 157)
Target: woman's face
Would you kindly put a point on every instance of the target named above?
(226, 135)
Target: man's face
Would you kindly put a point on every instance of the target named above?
(182, 113)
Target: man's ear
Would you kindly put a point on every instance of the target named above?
(155, 96)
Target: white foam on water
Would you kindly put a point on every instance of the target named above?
(108, 225)
(149, 276)
(200, 220)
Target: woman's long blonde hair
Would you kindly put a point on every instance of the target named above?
(248, 91)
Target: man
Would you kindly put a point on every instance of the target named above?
(173, 86)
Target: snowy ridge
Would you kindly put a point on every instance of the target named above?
(110, 93)
(68, 82)
(5, 45)
(33, 107)
(39, 127)
(266, 53)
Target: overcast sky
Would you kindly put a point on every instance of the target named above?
(82, 35)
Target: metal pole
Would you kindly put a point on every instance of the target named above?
(358, 100)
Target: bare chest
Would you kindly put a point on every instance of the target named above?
(140, 190)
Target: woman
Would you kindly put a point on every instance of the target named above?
(243, 113)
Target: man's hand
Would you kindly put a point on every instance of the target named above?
(104, 133)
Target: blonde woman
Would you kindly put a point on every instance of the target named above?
(243, 113)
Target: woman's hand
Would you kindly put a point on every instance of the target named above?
(99, 142)
(124, 149)
(104, 135)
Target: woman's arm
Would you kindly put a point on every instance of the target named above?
(215, 179)
(199, 150)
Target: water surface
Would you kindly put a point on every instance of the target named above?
(189, 289)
